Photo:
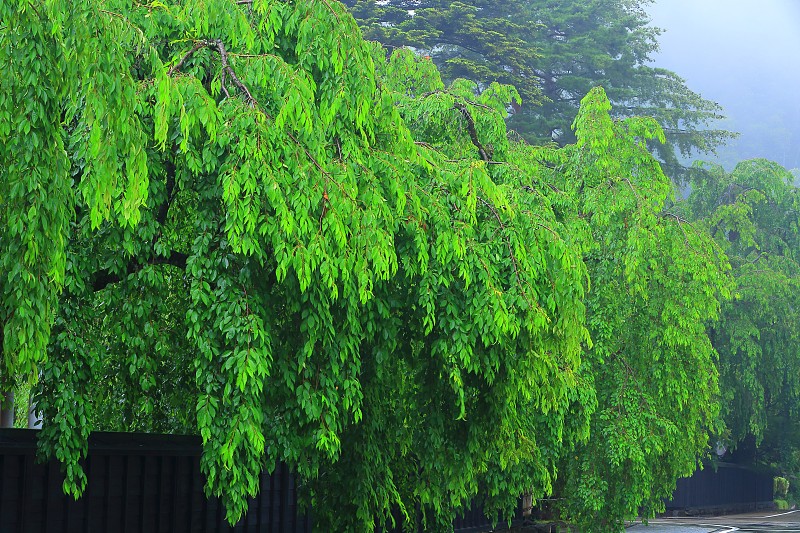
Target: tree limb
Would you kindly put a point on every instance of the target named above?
(219, 46)
(177, 66)
(227, 71)
(473, 134)
(104, 278)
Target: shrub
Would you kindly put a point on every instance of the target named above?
(780, 487)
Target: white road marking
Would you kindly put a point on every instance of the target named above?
(762, 530)
(781, 514)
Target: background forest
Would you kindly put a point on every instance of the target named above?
(462, 259)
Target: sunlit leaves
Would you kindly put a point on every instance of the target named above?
(656, 281)
(269, 233)
(472, 318)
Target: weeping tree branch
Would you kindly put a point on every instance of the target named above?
(227, 71)
(473, 133)
(177, 66)
(219, 47)
(104, 278)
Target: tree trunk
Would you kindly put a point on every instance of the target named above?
(527, 505)
(34, 417)
(7, 410)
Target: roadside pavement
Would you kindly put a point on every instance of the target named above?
(762, 522)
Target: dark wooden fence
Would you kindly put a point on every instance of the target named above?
(137, 484)
(142, 483)
(728, 487)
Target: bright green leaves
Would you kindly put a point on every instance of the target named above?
(485, 315)
(217, 19)
(307, 252)
(107, 133)
(406, 73)
(34, 189)
(234, 363)
(656, 282)
(593, 125)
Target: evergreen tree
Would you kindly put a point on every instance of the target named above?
(554, 52)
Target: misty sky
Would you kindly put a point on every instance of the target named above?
(745, 55)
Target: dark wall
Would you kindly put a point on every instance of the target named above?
(137, 483)
(140, 483)
(730, 486)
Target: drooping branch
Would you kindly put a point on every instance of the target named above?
(177, 66)
(473, 134)
(219, 46)
(104, 278)
(227, 71)
(510, 248)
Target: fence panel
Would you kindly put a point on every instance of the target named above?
(728, 487)
(140, 483)
(136, 484)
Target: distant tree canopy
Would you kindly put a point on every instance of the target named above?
(242, 220)
(554, 52)
(483, 41)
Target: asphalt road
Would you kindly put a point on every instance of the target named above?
(764, 522)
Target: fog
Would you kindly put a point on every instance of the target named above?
(744, 55)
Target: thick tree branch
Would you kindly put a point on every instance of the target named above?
(473, 134)
(104, 278)
(177, 66)
(219, 46)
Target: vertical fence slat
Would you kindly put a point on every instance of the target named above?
(203, 504)
(262, 488)
(54, 520)
(106, 514)
(219, 523)
(87, 496)
(23, 478)
(8, 503)
(2, 490)
(142, 496)
(190, 507)
(125, 493)
(174, 496)
(159, 496)
(46, 507)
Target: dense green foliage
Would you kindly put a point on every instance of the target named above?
(246, 226)
(555, 52)
(484, 41)
(752, 213)
(244, 221)
(656, 281)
